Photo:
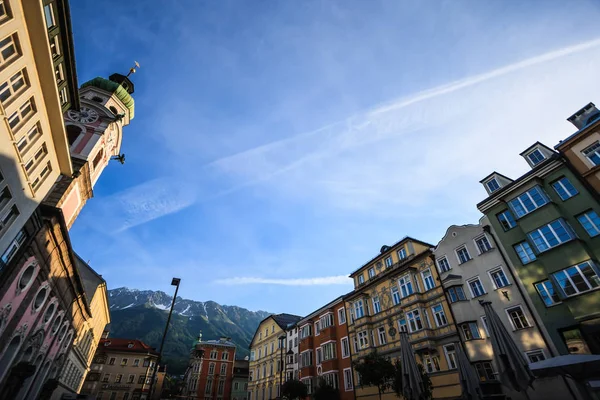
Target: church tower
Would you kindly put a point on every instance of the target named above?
(94, 134)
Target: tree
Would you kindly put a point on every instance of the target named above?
(375, 370)
(294, 389)
(396, 384)
(325, 391)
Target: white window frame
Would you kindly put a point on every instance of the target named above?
(362, 308)
(361, 279)
(341, 315)
(348, 385)
(371, 272)
(461, 247)
(478, 238)
(436, 313)
(581, 275)
(564, 188)
(471, 329)
(413, 318)
(402, 254)
(507, 311)
(494, 270)
(539, 230)
(594, 148)
(543, 284)
(379, 336)
(407, 278)
(489, 187)
(363, 339)
(388, 261)
(440, 269)
(447, 354)
(520, 245)
(590, 221)
(504, 213)
(376, 304)
(518, 198)
(485, 326)
(541, 153)
(342, 340)
(428, 270)
(535, 351)
(397, 292)
(473, 279)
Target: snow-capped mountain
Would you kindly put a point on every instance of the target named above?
(141, 314)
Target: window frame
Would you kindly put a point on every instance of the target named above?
(491, 273)
(512, 322)
(522, 247)
(415, 316)
(542, 236)
(343, 349)
(450, 355)
(531, 199)
(441, 270)
(388, 262)
(564, 188)
(376, 304)
(578, 268)
(371, 272)
(341, 315)
(489, 187)
(473, 331)
(589, 221)
(473, 279)
(594, 149)
(441, 313)
(549, 296)
(402, 254)
(536, 161)
(428, 270)
(453, 288)
(507, 220)
(407, 279)
(461, 248)
(535, 352)
(487, 240)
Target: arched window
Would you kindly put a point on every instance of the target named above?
(56, 324)
(40, 298)
(113, 110)
(9, 355)
(73, 132)
(26, 277)
(27, 354)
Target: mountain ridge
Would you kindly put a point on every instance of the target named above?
(142, 314)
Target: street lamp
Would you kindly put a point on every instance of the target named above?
(174, 282)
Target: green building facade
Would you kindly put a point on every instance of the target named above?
(547, 221)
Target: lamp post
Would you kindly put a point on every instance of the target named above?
(174, 282)
(282, 340)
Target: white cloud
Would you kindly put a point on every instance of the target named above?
(326, 280)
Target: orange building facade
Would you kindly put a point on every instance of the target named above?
(216, 371)
(324, 349)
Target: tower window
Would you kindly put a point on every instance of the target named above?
(113, 110)
(73, 133)
(98, 158)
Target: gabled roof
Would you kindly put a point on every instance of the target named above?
(495, 173)
(282, 320)
(126, 345)
(536, 144)
(91, 280)
(451, 277)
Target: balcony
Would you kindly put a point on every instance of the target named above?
(306, 344)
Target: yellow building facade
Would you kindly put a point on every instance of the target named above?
(400, 289)
(267, 357)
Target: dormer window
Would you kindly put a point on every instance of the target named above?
(492, 185)
(536, 157)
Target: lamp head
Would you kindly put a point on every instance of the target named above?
(175, 282)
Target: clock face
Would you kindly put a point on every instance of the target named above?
(85, 115)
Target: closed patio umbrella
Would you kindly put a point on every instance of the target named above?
(514, 369)
(412, 383)
(467, 375)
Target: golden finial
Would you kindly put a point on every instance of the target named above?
(134, 68)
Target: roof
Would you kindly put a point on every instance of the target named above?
(326, 306)
(538, 143)
(123, 345)
(590, 125)
(283, 320)
(91, 280)
(494, 173)
(405, 238)
(113, 87)
(218, 342)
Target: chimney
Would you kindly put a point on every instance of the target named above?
(585, 116)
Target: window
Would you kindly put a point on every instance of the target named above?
(577, 279)
(376, 305)
(348, 379)
(381, 335)
(535, 355)
(395, 295)
(443, 265)
(402, 254)
(462, 254)
(528, 201)
(371, 272)
(146, 363)
(208, 388)
(507, 220)
(536, 157)
(63, 95)
(439, 316)
(8, 50)
(5, 197)
(225, 356)
(124, 361)
(37, 157)
(341, 316)
(450, 353)
(345, 345)
(476, 287)
(388, 262)
(59, 73)
(317, 328)
(498, 278)
(131, 379)
(211, 368)
(414, 320)
(406, 288)
(593, 153)
(319, 355)
(517, 318)
(54, 46)
(111, 361)
(470, 330)
(4, 11)
(428, 279)
(118, 378)
(223, 370)
(456, 293)
(49, 14)
(22, 113)
(14, 245)
(9, 218)
(221, 387)
(485, 371)
(547, 293)
(524, 252)
(564, 188)
(358, 309)
(306, 359)
(363, 340)
(485, 326)
(361, 279)
(590, 222)
(492, 185)
(551, 235)
(213, 354)
(106, 378)
(431, 362)
(12, 86)
(483, 244)
(328, 351)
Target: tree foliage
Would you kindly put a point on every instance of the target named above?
(375, 370)
(294, 389)
(396, 383)
(325, 391)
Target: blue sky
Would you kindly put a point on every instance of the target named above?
(278, 144)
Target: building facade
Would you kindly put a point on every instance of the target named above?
(121, 370)
(239, 387)
(547, 222)
(291, 362)
(216, 369)
(399, 289)
(325, 349)
(582, 148)
(38, 84)
(472, 268)
(267, 356)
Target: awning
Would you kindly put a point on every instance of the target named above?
(578, 366)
